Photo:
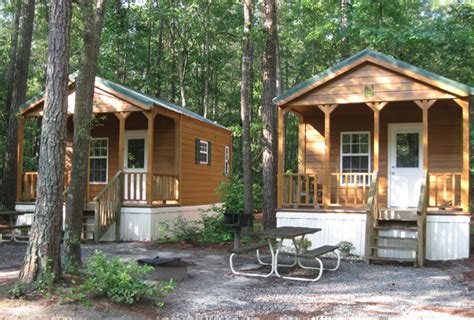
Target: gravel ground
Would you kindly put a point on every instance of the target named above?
(438, 291)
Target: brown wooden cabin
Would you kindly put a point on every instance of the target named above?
(145, 152)
(378, 135)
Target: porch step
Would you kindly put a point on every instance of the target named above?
(400, 228)
(394, 248)
(390, 214)
(395, 238)
(392, 259)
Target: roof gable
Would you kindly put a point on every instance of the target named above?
(122, 98)
(382, 60)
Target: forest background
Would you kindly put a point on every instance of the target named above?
(190, 53)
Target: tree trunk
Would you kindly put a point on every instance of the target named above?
(269, 115)
(206, 61)
(13, 53)
(245, 107)
(159, 55)
(43, 253)
(19, 86)
(344, 27)
(82, 126)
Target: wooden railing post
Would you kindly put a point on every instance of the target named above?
(21, 132)
(372, 208)
(421, 218)
(327, 109)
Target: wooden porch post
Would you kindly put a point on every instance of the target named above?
(177, 152)
(327, 109)
(122, 117)
(425, 106)
(21, 132)
(465, 154)
(376, 107)
(281, 156)
(149, 175)
(301, 144)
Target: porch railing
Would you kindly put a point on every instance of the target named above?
(372, 212)
(300, 189)
(165, 187)
(134, 186)
(107, 207)
(421, 211)
(444, 190)
(29, 182)
(350, 189)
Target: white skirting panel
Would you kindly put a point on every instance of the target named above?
(447, 237)
(335, 227)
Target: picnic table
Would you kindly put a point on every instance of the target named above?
(278, 235)
(10, 218)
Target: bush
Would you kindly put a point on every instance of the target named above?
(123, 282)
(207, 230)
(232, 194)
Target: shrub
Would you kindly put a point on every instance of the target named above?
(213, 231)
(345, 247)
(123, 282)
(232, 194)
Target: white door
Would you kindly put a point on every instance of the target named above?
(405, 164)
(135, 165)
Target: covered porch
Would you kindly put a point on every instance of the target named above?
(134, 154)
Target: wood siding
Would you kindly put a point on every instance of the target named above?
(199, 182)
(388, 86)
(445, 140)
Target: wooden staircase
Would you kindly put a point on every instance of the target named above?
(104, 212)
(396, 234)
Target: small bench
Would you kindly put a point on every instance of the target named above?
(318, 251)
(250, 248)
(315, 254)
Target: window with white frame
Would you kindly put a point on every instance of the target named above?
(227, 161)
(204, 152)
(98, 160)
(355, 155)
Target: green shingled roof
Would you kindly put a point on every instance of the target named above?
(136, 97)
(377, 55)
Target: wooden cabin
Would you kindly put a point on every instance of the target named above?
(383, 160)
(149, 160)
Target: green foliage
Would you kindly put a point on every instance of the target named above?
(345, 246)
(209, 229)
(232, 194)
(18, 290)
(122, 282)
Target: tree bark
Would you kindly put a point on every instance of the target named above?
(269, 118)
(13, 53)
(245, 107)
(19, 86)
(43, 253)
(344, 27)
(207, 64)
(82, 126)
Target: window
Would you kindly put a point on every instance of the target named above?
(98, 155)
(227, 161)
(203, 152)
(355, 154)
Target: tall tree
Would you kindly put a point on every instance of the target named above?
(269, 118)
(245, 106)
(43, 253)
(344, 28)
(82, 126)
(19, 86)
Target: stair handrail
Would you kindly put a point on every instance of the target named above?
(108, 204)
(371, 210)
(421, 211)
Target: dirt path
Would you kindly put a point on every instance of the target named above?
(441, 290)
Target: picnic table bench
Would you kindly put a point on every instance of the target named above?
(10, 218)
(280, 234)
